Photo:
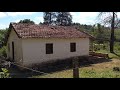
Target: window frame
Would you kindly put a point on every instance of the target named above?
(49, 48)
(73, 47)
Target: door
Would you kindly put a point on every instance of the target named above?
(13, 51)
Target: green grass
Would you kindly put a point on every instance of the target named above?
(111, 55)
(99, 74)
(61, 74)
(100, 70)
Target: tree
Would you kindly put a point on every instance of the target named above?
(57, 18)
(3, 34)
(64, 18)
(26, 21)
(112, 33)
(100, 33)
(49, 18)
(113, 21)
(41, 23)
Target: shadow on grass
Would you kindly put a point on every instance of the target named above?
(116, 54)
(56, 66)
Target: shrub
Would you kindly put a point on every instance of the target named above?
(116, 68)
(118, 48)
(3, 51)
(4, 73)
(104, 47)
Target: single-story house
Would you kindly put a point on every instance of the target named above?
(30, 43)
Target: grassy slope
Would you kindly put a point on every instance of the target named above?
(111, 55)
(101, 70)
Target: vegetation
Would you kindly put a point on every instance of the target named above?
(100, 70)
(3, 51)
(3, 34)
(57, 18)
(108, 40)
(64, 19)
(49, 18)
(4, 73)
(111, 20)
(26, 21)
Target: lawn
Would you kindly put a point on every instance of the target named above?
(99, 70)
(95, 70)
(115, 55)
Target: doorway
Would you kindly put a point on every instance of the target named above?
(13, 51)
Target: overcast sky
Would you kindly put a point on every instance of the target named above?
(89, 18)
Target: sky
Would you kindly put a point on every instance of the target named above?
(88, 18)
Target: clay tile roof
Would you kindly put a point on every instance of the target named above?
(47, 31)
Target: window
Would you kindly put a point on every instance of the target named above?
(49, 48)
(8, 47)
(72, 47)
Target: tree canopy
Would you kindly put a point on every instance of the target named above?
(57, 18)
(64, 19)
(26, 21)
(49, 18)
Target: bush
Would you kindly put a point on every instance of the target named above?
(116, 68)
(4, 73)
(104, 47)
(118, 48)
(3, 51)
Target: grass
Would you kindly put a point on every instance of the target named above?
(100, 70)
(115, 55)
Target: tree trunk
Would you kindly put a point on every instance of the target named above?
(112, 34)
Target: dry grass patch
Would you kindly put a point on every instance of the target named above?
(99, 70)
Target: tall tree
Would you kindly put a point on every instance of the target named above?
(112, 33)
(49, 18)
(64, 18)
(111, 20)
(26, 21)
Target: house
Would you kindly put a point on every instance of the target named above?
(30, 43)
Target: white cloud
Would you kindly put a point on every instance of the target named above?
(17, 20)
(118, 14)
(19, 13)
(2, 14)
(84, 17)
(73, 13)
(38, 19)
(3, 26)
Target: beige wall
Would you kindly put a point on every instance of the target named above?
(17, 47)
(34, 49)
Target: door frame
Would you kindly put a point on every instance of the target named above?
(13, 54)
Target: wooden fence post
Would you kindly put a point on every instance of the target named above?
(75, 67)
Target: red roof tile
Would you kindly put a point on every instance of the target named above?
(47, 31)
